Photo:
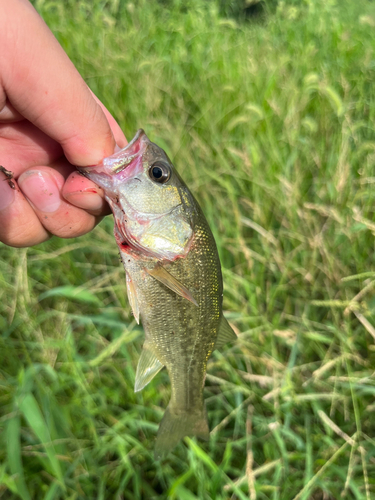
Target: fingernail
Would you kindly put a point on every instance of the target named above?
(6, 193)
(41, 190)
(117, 148)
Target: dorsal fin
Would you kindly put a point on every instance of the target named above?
(162, 275)
(148, 367)
(225, 335)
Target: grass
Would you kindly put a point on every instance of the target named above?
(271, 123)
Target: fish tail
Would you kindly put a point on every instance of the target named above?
(177, 424)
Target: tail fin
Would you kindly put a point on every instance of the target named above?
(175, 425)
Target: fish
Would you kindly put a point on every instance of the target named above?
(173, 278)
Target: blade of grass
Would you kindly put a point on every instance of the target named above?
(30, 409)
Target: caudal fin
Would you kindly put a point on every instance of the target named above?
(175, 425)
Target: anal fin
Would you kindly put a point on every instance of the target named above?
(132, 296)
(162, 275)
(148, 367)
(225, 335)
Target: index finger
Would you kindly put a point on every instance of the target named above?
(43, 85)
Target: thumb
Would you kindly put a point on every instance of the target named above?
(42, 84)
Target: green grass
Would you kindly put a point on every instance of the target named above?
(271, 124)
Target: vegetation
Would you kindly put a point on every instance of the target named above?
(270, 120)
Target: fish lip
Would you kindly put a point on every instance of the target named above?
(134, 147)
(117, 162)
(125, 157)
(140, 133)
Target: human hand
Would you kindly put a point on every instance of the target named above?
(49, 121)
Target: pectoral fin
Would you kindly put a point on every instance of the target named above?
(160, 274)
(132, 296)
(148, 367)
(225, 335)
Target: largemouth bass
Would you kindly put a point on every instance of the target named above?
(173, 278)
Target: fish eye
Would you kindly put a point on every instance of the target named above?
(160, 172)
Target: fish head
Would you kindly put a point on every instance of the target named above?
(152, 206)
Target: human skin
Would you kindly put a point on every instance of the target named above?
(49, 122)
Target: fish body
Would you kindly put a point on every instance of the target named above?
(173, 277)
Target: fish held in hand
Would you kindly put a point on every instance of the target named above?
(173, 278)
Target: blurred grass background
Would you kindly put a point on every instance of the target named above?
(268, 114)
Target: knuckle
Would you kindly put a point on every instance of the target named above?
(72, 227)
(24, 234)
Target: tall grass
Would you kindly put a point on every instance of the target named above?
(271, 124)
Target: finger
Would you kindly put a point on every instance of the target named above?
(23, 145)
(115, 127)
(19, 225)
(43, 85)
(80, 191)
(83, 193)
(8, 114)
(42, 187)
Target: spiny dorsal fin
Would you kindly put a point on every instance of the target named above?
(160, 274)
(148, 367)
(225, 335)
(132, 297)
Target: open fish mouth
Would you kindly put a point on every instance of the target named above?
(112, 166)
(119, 161)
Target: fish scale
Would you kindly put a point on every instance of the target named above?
(174, 279)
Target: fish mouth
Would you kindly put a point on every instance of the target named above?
(119, 161)
(116, 164)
